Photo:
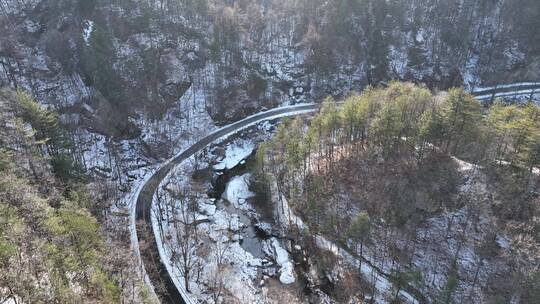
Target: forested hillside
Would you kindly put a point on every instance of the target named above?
(52, 246)
(95, 56)
(437, 192)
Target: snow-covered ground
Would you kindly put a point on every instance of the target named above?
(14, 6)
(286, 272)
(223, 225)
(234, 154)
(383, 286)
(87, 30)
(237, 192)
(124, 162)
(221, 233)
(451, 236)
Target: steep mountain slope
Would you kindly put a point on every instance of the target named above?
(91, 57)
(52, 248)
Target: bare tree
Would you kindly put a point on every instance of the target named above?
(186, 240)
(218, 284)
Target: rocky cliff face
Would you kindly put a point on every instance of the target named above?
(131, 58)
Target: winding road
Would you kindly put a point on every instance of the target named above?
(514, 90)
(163, 284)
(145, 243)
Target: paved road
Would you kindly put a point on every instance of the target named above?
(508, 91)
(156, 270)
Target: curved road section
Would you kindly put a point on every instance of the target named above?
(514, 90)
(157, 273)
(156, 270)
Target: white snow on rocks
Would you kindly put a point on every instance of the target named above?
(282, 258)
(239, 279)
(88, 28)
(240, 271)
(234, 154)
(224, 221)
(14, 6)
(237, 192)
(283, 213)
(469, 75)
(207, 208)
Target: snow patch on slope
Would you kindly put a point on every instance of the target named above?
(88, 28)
(282, 258)
(234, 154)
(237, 191)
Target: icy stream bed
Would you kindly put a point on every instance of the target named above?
(236, 199)
(254, 262)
